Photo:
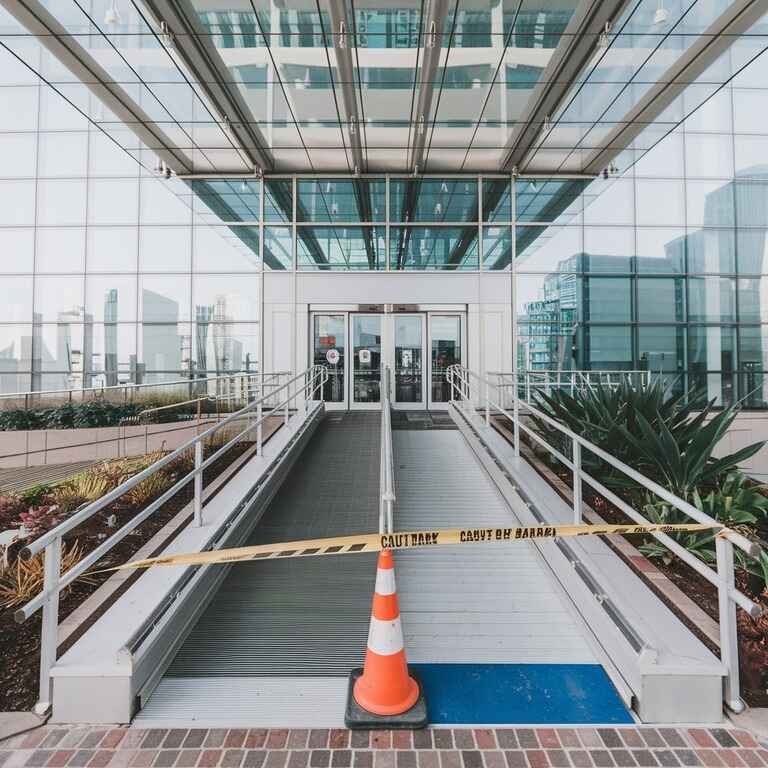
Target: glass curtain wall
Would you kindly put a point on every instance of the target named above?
(110, 274)
(666, 270)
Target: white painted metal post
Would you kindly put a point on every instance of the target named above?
(516, 418)
(729, 641)
(198, 509)
(577, 519)
(259, 429)
(49, 638)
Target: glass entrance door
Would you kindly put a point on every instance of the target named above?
(366, 360)
(446, 348)
(329, 347)
(408, 346)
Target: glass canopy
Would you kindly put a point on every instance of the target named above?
(346, 86)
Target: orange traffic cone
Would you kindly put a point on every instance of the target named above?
(384, 692)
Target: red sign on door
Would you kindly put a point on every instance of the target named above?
(327, 341)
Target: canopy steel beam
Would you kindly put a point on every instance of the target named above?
(736, 20)
(53, 36)
(433, 41)
(572, 56)
(342, 46)
(209, 73)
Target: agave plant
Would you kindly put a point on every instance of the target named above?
(599, 413)
(683, 462)
(734, 503)
(669, 438)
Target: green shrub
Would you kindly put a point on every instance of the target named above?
(94, 413)
(36, 494)
(735, 503)
(670, 439)
(18, 419)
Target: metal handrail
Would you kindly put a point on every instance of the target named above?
(387, 466)
(268, 380)
(303, 385)
(82, 391)
(723, 578)
(548, 380)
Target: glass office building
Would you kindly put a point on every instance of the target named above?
(114, 269)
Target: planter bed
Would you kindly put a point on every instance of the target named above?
(753, 634)
(20, 643)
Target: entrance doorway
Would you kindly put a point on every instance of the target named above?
(418, 348)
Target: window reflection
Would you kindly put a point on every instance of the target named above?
(711, 299)
(111, 299)
(163, 298)
(165, 347)
(433, 200)
(340, 248)
(433, 248)
(341, 200)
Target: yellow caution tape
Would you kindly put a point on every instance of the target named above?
(374, 542)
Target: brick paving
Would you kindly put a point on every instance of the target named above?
(641, 747)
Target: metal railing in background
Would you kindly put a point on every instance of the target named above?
(223, 385)
(472, 392)
(230, 393)
(288, 396)
(249, 389)
(387, 466)
(527, 382)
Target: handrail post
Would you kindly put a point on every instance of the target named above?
(49, 638)
(516, 417)
(198, 483)
(287, 401)
(259, 428)
(577, 518)
(729, 641)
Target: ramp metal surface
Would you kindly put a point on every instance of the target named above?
(473, 603)
(300, 617)
(277, 643)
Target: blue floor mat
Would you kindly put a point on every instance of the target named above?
(514, 694)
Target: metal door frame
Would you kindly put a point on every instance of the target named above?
(462, 315)
(350, 392)
(343, 405)
(391, 319)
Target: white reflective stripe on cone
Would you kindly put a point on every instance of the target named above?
(385, 637)
(385, 581)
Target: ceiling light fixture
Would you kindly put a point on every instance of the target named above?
(244, 187)
(432, 35)
(112, 15)
(165, 33)
(661, 15)
(342, 35)
(602, 41)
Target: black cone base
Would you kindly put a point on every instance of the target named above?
(358, 719)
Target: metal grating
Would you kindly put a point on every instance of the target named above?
(300, 617)
(472, 603)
